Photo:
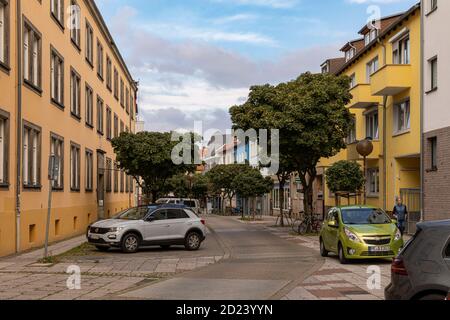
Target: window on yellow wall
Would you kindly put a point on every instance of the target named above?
(89, 167)
(402, 117)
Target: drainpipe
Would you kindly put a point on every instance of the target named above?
(18, 120)
(385, 98)
(422, 90)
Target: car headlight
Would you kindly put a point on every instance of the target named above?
(398, 235)
(351, 236)
(115, 229)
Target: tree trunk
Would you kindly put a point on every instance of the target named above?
(281, 182)
(307, 178)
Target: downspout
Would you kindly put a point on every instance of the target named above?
(18, 120)
(385, 98)
(422, 90)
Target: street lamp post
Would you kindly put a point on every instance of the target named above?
(365, 148)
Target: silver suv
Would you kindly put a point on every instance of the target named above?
(162, 225)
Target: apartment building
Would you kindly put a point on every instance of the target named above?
(436, 115)
(384, 65)
(66, 91)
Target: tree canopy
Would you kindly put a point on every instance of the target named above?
(311, 115)
(345, 176)
(148, 155)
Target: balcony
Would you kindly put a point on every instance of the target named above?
(391, 79)
(353, 155)
(362, 97)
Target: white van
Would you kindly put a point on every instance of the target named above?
(194, 204)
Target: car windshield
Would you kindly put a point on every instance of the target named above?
(133, 214)
(189, 203)
(365, 216)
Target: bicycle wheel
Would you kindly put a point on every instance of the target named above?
(303, 228)
(296, 224)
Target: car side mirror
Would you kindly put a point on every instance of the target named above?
(394, 221)
(332, 224)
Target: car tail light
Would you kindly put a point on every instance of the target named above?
(448, 296)
(203, 221)
(398, 267)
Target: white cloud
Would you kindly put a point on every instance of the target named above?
(277, 4)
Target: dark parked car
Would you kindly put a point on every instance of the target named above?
(422, 269)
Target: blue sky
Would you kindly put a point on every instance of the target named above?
(196, 58)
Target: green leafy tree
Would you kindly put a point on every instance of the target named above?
(188, 186)
(250, 183)
(345, 176)
(221, 179)
(312, 119)
(148, 155)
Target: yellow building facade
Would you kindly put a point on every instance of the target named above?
(65, 91)
(386, 89)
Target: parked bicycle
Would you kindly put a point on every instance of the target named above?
(300, 225)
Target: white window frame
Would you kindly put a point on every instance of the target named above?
(74, 167)
(373, 181)
(4, 146)
(31, 156)
(371, 67)
(75, 32)
(89, 101)
(57, 10)
(57, 77)
(401, 50)
(402, 110)
(89, 185)
(4, 32)
(75, 93)
(32, 61)
(372, 125)
(89, 43)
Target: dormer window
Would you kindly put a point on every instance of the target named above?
(370, 36)
(325, 68)
(349, 54)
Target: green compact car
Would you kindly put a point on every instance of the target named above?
(360, 232)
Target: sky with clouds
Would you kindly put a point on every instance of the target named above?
(196, 58)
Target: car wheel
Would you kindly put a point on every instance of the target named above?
(193, 241)
(102, 249)
(130, 243)
(341, 253)
(433, 297)
(323, 251)
(165, 247)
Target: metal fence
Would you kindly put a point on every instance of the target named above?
(412, 199)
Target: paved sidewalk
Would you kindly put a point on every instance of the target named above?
(334, 281)
(103, 275)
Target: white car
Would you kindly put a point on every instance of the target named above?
(162, 225)
(194, 204)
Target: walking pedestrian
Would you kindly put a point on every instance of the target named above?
(401, 214)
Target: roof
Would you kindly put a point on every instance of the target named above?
(382, 35)
(434, 224)
(385, 22)
(334, 64)
(357, 43)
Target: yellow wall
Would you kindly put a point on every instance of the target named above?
(38, 110)
(402, 151)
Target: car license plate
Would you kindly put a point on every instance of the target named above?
(94, 237)
(379, 249)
